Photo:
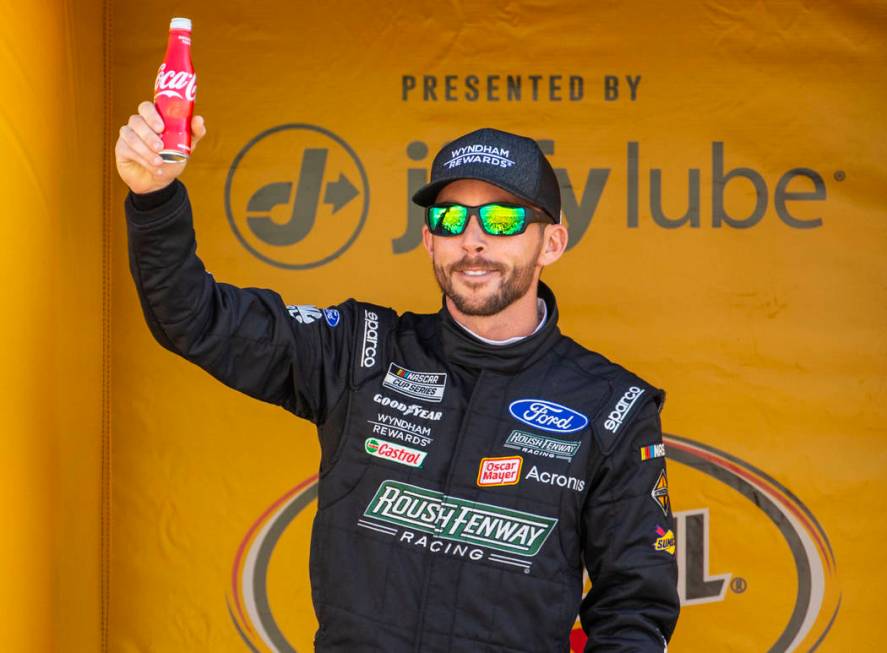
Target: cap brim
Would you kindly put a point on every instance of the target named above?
(427, 195)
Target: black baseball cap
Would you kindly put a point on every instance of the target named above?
(511, 162)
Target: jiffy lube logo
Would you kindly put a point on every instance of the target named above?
(489, 154)
(547, 415)
(297, 196)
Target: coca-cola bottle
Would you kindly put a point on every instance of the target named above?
(175, 91)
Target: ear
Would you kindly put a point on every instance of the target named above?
(428, 240)
(554, 243)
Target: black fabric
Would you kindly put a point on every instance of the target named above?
(412, 549)
(514, 163)
(148, 201)
(469, 352)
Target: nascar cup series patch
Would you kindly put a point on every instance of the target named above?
(428, 386)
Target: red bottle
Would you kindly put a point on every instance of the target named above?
(175, 91)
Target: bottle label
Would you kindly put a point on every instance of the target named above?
(172, 83)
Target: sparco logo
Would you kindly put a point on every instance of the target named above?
(449, 518)
(617, 415)
(172, 83)
(370, 338)
(296, 196)
(489, 154)
(408, 409)
(547, 415)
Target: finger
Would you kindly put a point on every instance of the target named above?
(126, 156)
(140, 127)
(198, 130)
(147, 157)
(149, 112)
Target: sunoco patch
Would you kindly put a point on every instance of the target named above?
(665, 541)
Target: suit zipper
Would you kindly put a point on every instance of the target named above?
(446, 492)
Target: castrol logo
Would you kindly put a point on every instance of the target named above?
(394, 452)
(172, 83)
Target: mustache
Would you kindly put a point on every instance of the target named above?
(476, 263)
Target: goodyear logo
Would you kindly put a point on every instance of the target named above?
(455, 519)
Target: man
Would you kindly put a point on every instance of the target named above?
(472, 460)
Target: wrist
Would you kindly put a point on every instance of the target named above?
(154, 198)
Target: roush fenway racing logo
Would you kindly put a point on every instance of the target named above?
(805, 560)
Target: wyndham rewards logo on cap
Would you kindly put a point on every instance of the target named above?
(477, 153)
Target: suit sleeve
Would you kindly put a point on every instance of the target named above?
(248, 338)
(629, 546)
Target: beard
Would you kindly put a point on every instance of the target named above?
(514, 284)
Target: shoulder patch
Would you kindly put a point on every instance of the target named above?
(628, 394)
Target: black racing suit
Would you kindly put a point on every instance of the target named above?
(463, 485)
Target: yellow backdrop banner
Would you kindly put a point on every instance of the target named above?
(723, 181)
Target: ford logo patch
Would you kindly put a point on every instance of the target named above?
(547, 415)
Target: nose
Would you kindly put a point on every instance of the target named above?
(474, 240)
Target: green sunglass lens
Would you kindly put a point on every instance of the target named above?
(503, 220)
(450, 219)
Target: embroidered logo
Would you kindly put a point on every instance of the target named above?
(499, 471)
(428, 386)
(653, 451)
(547, 415)
(489, 154)
(665, 541)
(622, 408)
(542, 445)
(660, 492)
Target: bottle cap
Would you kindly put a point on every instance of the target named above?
(180, 23)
